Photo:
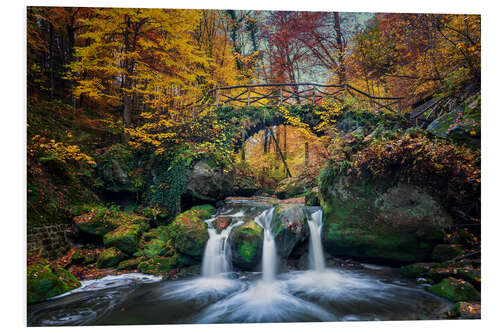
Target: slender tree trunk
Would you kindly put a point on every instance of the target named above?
(306, 146)
(51, 55)
(284, 141)
(340, 49)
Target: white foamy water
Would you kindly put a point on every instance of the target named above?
(217, 255)
(316, 257)
(269, 247)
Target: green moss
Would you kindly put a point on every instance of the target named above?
(455, 290)
(125, 238)
(247, 244)
(205, 211)
(188, 232)
(110, 258)
(129, 264)
(99, 219)
(162, 265)
(45, 282)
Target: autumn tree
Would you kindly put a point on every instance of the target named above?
(147, 53)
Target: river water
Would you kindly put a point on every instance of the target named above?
(222, 295)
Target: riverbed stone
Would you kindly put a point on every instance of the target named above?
(289, 227)
(469, 310)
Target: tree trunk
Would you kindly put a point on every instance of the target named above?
(127, 111)
(284, 141)
(306, 146)
(340, 49)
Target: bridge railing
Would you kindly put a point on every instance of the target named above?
(297, 94)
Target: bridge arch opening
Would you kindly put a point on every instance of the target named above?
(276, 152)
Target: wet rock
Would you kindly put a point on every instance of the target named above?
(293, 186)
(129, 264)
(245, 186)
(455, 290)
(246, 243)
(289, 228)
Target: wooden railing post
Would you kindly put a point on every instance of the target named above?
(248, 96)
(217, 97)
(281, 95)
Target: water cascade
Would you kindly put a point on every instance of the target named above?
(316, 257)
(217, 255)
(269, 249)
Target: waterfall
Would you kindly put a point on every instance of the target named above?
(269, 248)
(217, 256)
(316, 258)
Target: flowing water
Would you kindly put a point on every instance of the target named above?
(316, 257)
(222, 295)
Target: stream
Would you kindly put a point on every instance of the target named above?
(222, 294)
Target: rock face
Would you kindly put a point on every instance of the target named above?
(45, 281)
(379, 221)
(246, 245)
(443, 252)
(289, 228)
(209, 183)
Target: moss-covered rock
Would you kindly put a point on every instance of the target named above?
(125, 238)
(99, 220)
(45, 281)
(455, 290)
(377, 219)
(162, 265)
(419, 269)
(188, 232)
(110, 257)
(129, 263)
(247, 245)
(443, 252)
(289, 227)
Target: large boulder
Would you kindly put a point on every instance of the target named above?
(188, 232)
(246, 243)
(46, 281)
(289, 228)
(209, 183)
(379, 221)
(161, 265)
